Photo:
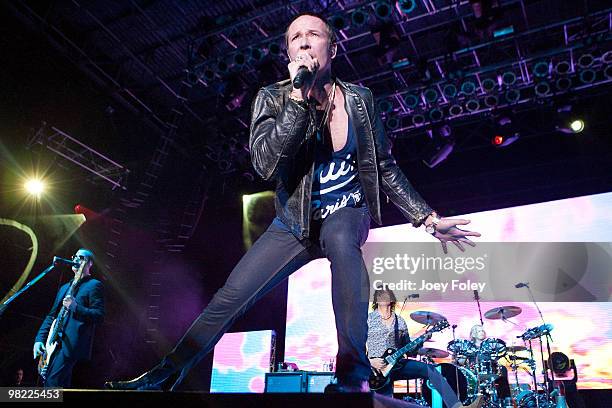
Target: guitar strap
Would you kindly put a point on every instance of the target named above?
(396, 330)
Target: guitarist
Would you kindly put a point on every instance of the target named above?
(389, 330)
(85, 309)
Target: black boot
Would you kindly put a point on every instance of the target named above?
(151, 380)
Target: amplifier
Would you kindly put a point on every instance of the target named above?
(298, 381)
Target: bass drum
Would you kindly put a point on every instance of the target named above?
(454, 374)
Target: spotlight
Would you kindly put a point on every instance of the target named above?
(491, 101)
(606, 58)
(540, 69)
(542, 89)
(385, 106)
(449, 90)
(587, 76)
(255, 55)
(567, 121)
(442, 144)
(436, 115)
(488, 84)
(393, 123)
(411, 100)
(508, 78)
(563, 67)
(431, 95)
(585, 60)
(505, 134)
(468, 87)
(440, 153)
(383, 10)
(405, 6)
(338, 22)
(455, 110)
(239, 59)
(512, 95)
(564, 83)
(472, 105)
(418, 119)
(35, 187)
(359, 17)
(274, 48)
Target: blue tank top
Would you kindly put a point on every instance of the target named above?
(335, 182)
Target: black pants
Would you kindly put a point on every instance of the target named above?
(275, 256)
(59, 372)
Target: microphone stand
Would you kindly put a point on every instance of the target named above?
(548, 336)
(31, 283)
(477, 299)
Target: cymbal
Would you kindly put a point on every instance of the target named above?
(503, 312)
(432, 352)
(516, 349)
(425, 317)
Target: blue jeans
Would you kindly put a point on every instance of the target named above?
(416, 369)
(271, 259)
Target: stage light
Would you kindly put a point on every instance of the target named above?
(587, 76)
(563, 84)
(577, 125)
(586, 60)
(512, 95)
(540, 69)
(239, 59)
(504, 134)
(569, 122)
(431, 95)
(405, 6)
(383, 10)
(488, 84)
(436, 114)
(606, 58)
(449, 90)
(468, 87)
(508, 78)
(563, 67)
(338, 22)
(35, 187)
(442, 144)
(608, 72)
(255, 55)
(209, 74)
(472, 105)
(393, 123)
(441, 153)
(411, 100)
(274, 48)
(418, 119)
(359, 17)
(385, 106)
(542, 89)
(455, 110)
(491, 101)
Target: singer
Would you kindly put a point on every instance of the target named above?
(324, 146)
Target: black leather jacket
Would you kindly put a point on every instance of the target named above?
(281, 145)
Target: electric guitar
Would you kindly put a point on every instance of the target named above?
(380, 378)
(56, 331)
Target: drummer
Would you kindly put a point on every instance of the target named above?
(387, 330)
(477, 336)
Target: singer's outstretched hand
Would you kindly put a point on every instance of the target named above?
(447, 231)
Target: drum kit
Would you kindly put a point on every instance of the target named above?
(478, 369)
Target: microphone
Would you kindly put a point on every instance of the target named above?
(57, 260)
(302, 75)
(522, 285)
(454, 326)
